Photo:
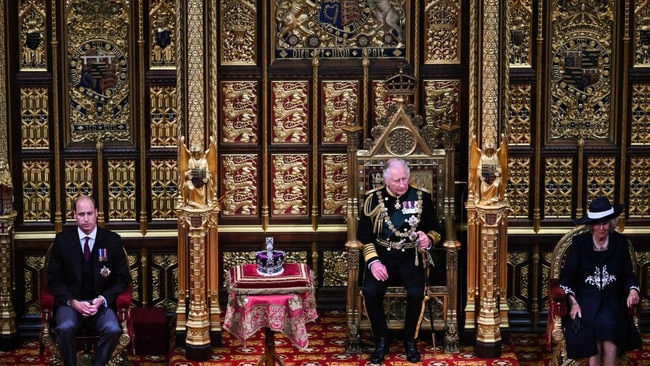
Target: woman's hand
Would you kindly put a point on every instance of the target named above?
(632, 298)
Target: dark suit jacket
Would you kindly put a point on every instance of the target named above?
(64, 267)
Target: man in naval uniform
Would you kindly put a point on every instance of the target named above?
(397, 223)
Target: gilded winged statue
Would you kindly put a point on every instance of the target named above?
(488, 169)
(198, 170)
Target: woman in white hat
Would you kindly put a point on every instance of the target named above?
(600, 286)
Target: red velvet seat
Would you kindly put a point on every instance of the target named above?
(86, 338)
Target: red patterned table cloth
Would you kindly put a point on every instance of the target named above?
(284, 303)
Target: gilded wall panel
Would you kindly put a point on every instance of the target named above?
(164, 187)
(163, 116)
(639, 199)
(78, 181)
(121, 190)
(32, 268)
(640, 114)
(162, 24)
(340, 28)
(518, 186)
(289, 184)
(34, 119)
(519, 114)
(164, 280)
(581, 80)
(239, 178)
(642, 33)
(334, 186)
(337, 97)
(558, 187)
(521, 33)
(601, 178)
(37, 191)
(32, 17)
(381, 100)
(442, 29)
(134, 271)
(335, 268)
(239, 32)
(98, 71)
(519, 277)
(442, 102)
(290, 100)
(239, 112)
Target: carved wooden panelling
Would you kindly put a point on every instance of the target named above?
(520, 114)
(290, 121)
(337, 97)
(121, 190)
(518, 187)
(163, 116)
(642, 33)
(638, 204)
(334, 268)
(239, 184)
(164, 187)
(34, 119)
(239, 31)
(37, 190)
(442, 31)
(335, 179)
(558, 187)
(32, 47)
(601, 178)
(163, 280)
(442, 102)
(32, 268)
(239, 112)
(78, 181)
(289, 184)
(164, 37)
(519, 266)
(521, 33)
(640, 130)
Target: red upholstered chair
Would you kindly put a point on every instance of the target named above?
(85, 337)
(557, 303)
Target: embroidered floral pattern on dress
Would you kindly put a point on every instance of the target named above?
(600, 279)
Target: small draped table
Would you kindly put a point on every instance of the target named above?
(282, 303)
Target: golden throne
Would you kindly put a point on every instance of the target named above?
(557, 306)
(405, 135)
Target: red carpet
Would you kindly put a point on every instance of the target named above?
(327, 348)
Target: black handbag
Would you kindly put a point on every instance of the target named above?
(577, 324)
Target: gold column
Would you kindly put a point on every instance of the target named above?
(353, 133)
(490, 219)
(8, 332)
(197, 341)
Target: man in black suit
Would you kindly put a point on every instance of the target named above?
(86, 272)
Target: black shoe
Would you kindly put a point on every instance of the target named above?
(412, 353)
(381, 350)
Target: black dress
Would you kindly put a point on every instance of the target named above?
(600, 281)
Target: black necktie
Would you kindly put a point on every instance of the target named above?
(87, 248)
